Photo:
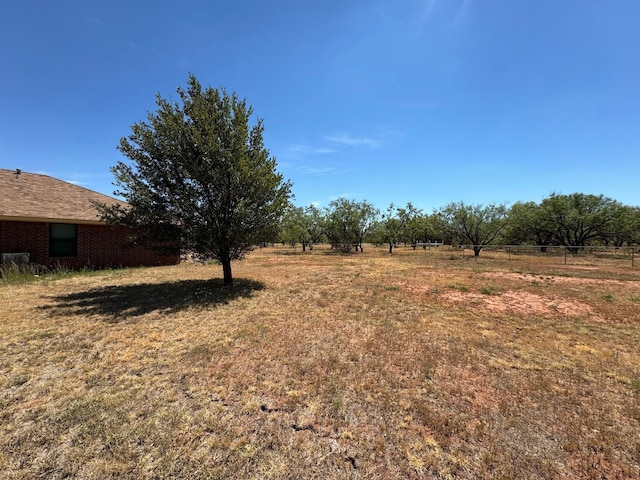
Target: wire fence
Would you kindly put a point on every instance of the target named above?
(559, 255)
(567, 255)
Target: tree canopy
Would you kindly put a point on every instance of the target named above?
(393, 224)
(302, 225)
(478, 224)
(200, 176)
(348, 222)
(574, 220)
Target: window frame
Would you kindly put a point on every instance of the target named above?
(63, 243)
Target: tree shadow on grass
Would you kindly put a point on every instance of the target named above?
(119, 302)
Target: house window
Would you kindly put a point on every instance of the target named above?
(63, 240)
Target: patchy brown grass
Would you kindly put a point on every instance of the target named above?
(418, 365)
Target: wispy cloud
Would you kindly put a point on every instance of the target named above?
(74, 182)
(462, 15)
(322, 170)
(425, 14)
(309, 150)
(353, 141)
(317, 171)
(453, 12)
(89, 180)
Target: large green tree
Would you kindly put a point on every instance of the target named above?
(394, 223)
(348, 222)
(292, 228)
(314, 222)
(528, 224)
(576, 220)
(624, 228)
(423, 227)
(200, 175)
(302, 225)
(478, 224)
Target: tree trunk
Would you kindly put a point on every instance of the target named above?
(390, 247)
(226, 272)
(476, 250)
(304, 247)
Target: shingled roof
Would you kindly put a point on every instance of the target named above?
(40, 198)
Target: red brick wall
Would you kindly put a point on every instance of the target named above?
(98, 246)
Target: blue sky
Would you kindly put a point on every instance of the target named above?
(422, 101)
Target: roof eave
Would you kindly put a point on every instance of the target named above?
(9, 218)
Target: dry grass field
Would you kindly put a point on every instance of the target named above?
(416, 365)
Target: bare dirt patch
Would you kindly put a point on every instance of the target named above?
(523, 303)
(604, 283)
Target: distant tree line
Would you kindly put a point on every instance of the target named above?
(571, 221)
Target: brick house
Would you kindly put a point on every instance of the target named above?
(55, 223)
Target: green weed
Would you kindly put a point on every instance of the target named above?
(13, 274)
(490, 290)
(19, 380)
(202, 350)
(16, 274)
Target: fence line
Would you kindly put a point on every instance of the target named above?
(466, 251)
(614, 253)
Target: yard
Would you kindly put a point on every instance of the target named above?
(423, 364)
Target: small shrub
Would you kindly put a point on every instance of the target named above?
(335, 398)
(19, 380)
(490, 290)
(202, 350)
(429, 368)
